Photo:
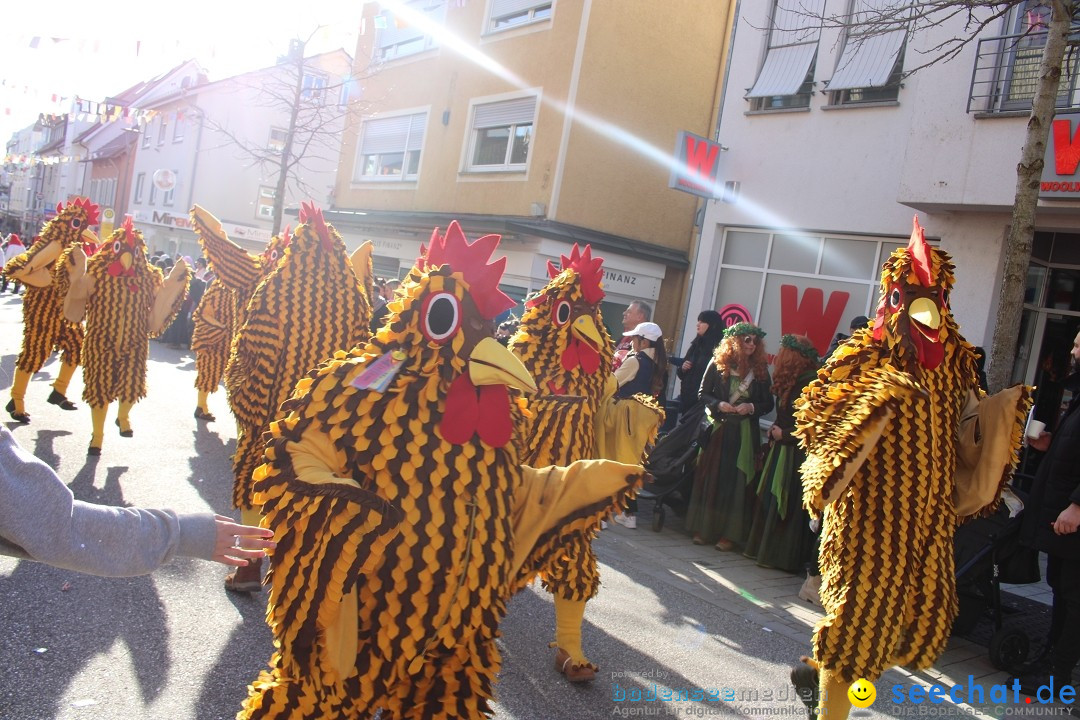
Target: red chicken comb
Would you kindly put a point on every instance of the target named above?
(129, 231)
(471, 260)
(589, 269)
(920, 254)
(313, 216)
(90, 208)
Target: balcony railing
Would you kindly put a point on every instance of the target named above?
(1006, 74)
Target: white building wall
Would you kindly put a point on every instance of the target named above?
(867, 170)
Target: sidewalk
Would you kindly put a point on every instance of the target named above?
(772, 601)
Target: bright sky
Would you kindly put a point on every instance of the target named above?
(98, 50)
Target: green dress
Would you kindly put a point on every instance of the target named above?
(780, 534)
(722, 501)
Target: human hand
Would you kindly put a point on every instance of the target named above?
(230, 536)
(686, 365)
(745, 408)
(1068, 520)
(726, 407)
(1040, 443)
(776, 433)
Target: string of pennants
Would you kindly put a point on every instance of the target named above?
(87, 110)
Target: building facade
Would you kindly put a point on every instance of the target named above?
(834, 147)
(219, 144)
(548, 123)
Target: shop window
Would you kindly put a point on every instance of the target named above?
(745, 248)
(786, 78)
(848, 258)
(501, 135)
(390, 148)
(506, 14)
(798, 253)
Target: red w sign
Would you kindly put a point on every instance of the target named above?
(696, 166)
(811, 317)
(1059, 177)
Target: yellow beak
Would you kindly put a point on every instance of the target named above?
(925, 312)
(585, 329)
(126, 260)
(492, 364)
(89, 236)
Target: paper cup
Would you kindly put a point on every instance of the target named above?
(1035, 428)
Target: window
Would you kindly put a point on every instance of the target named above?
(146, 136)
(140, 185)
(153, 193)
(506, 14)
(178, 128)
(277, 139)
(872, 61)
(170, 194)
(390, 148)
(827, 280)
(163, 130)
(786, 79)
(264, 204)
(501, 134)
(398, 39)
(313, 88)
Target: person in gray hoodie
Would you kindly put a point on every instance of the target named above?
(41, 520)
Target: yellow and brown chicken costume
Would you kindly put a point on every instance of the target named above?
(901, 446)
(311, 303)
(126, 301)
(565, 347)
(42, 268)
(403, 516)
(214, 323)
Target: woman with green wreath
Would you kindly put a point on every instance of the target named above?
(780, 535)
(737, 388)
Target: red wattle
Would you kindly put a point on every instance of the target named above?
(589, 357)
(495, 427)
(570, 359)
(462, 411)
(930, 353)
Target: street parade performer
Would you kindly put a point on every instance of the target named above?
(126, 301)
(214, 323)
(566, 349)
(901, 446)
(42, 269)
(404, 517)
(312, 302)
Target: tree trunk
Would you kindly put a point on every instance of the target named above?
(1028, 175)
(297, 59)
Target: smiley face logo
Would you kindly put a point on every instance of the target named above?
(862, 693)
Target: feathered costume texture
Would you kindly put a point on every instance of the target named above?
(403, 518)
(126, 302)
(42, 268)
(310, 304)
(214, 323)
(892, 465)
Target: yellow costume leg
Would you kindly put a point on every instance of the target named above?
(97, 417)
(59, 394)
(202, 401)
(570, 659)
(834, 700)
(63, 378)
(18, 394)
(122, 419)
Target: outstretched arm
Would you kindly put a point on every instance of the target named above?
(41, 520)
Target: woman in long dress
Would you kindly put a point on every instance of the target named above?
(780, 535)
(737, 388)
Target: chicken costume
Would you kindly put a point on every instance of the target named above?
(214, 322)
(901, 446)
(126, 301)
(403, 516)
(42, 268)
(310, 304)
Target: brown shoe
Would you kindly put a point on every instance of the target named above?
(246, 578)
(574, 673)
(724, 545)
(201, 414)
(698, 540)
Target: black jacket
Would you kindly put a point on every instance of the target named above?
(699, 354)
(1057, 484)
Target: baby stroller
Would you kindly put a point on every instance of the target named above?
(988, 552)
(671, 463)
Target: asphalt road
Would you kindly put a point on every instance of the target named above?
(175, 645)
